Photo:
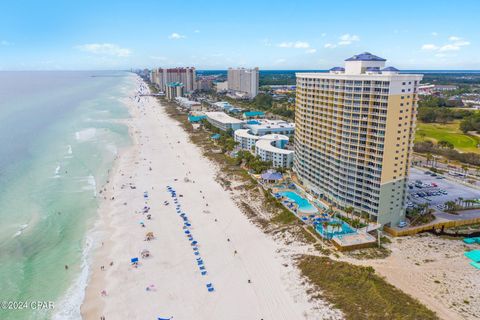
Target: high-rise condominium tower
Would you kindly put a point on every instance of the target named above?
(186, 76)
(354, 130)
(243, 81)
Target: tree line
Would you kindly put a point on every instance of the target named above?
(446, 149)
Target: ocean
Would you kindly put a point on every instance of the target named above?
(59, 135)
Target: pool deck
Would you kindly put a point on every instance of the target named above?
(345, 242)
(351, 241)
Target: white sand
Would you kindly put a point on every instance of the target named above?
(435, 271)
(160, 143)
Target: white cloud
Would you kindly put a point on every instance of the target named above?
(107, 49)
(176, 36)
(347, 39)
(323, 34)
(296, 45)
(311, 50)
(343, 40)
(5, 43)
(197, 31)
(429, 46)
(434, 34)
(455, 44)
(280, 61)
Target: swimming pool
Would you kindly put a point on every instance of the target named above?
(303, 204)
(339, 227)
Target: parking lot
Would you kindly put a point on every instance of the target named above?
(440, 190)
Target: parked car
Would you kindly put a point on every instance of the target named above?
(402, 224)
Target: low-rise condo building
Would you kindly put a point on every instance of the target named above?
(354, 131)
(261, 127)
(271, 147)
(188, 104)
(246, 140)
(223, 121)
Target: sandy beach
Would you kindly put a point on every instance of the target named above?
(251, 278)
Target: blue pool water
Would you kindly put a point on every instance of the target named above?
(331, 231)
(303, 204)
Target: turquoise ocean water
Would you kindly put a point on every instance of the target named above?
(59, 135)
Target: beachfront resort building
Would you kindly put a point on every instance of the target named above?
(269, 147)
(174, 90)
(223, 121)
(162, 77)
(261, 127)
(245, 139)
(355, 127)
(242, 83)
(188, 104)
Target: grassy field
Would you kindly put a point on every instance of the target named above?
(449, 132)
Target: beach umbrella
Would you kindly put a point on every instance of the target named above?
(134, 260)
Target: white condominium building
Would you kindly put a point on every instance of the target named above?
(246, 140)
(354, 131)
(271, 147)
(243, 82)
(223, 121)
(262, 127)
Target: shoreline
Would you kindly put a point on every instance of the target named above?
(274, 287)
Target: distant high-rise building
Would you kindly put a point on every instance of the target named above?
(243, 82)
(354, 131)
(174, 89)
(187, 76)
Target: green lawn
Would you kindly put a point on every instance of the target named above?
(449, 132)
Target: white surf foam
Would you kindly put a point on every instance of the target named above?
(57, 172)
(69, 306)
(20, 230)
(112, 148)
(91, 184)
(69, 149)
(85, 134)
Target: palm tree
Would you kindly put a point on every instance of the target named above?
(349, 210)
(428, 156)
(460, 201)
(465, 170)
(451, 206)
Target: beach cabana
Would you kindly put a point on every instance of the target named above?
(149, 236)
(145, 253)
(271, 176)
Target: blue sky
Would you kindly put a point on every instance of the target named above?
(214, 34)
